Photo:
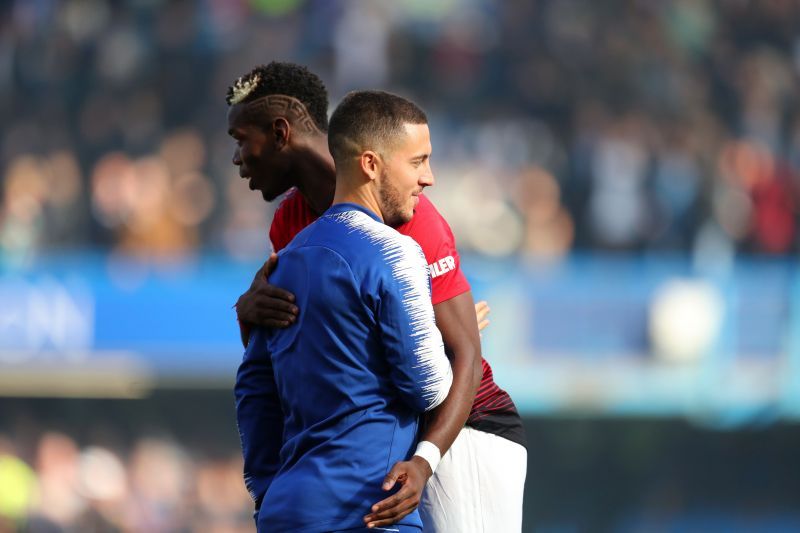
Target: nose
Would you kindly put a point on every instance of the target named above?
(427, 179)
(236, 160)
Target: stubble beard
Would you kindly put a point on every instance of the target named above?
(392, 204)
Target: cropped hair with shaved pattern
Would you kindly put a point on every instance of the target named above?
(305, 98)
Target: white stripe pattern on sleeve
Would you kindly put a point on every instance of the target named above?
(407, 262)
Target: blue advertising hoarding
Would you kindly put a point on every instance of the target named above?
(589, 334)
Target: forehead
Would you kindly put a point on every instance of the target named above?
(238, 117)
(417, 138)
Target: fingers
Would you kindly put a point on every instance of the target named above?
(386, 519)
(257, 307)
(271, 312)
(392, 501)
(397, 473)
(272, 291)
(266, 305)
(396, 506)
(482, 310)
(265, 319)
(279, 323)
(393, 508)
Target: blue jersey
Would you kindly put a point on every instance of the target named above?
(327, 406)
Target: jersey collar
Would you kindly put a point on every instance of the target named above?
(347, 206)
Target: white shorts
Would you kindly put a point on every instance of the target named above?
(477, 486)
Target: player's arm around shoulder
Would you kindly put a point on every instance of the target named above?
(458, 323)
(413, 344)
(456, 318)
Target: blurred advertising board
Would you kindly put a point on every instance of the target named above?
(613, 335)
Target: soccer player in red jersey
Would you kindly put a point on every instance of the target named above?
(474, 460)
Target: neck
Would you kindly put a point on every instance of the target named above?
(363, 195)
(316, 174)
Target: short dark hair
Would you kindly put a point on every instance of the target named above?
(369, 119)
(289, 79)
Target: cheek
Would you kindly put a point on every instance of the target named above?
(413, 178)
(248, 156)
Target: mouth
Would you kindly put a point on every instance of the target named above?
(246, 176)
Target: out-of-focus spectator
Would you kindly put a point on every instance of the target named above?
(663, 125)
(57, 467)
(159, 486)
(549, 229)
(17, 488)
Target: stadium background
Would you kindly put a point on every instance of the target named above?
(622, 178)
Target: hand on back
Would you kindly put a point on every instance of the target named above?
(266, 305)
(411, 475)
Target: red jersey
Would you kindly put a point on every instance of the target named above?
(493, 410)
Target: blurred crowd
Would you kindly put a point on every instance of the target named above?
(630, 125)
(152, 485)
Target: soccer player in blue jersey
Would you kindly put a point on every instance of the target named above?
(327, 406)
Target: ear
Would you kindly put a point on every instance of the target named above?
(281, 131)
(371, 164)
